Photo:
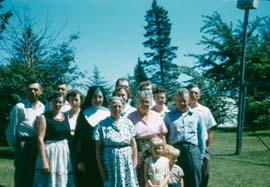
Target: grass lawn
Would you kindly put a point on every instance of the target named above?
(6, 167)
(250, 169)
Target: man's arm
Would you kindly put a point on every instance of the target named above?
(211, 122)
(202, 135)
(210, 138)
(12, 127)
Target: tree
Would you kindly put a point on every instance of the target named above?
(30, 55)
(139, 76)
(33, 54)
(220, 64)
(97, 80)
(3, 19)
(158, 64)
(139, 73)
(222, 107)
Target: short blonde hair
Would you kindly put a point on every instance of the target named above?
(170, 150)
(156, 141)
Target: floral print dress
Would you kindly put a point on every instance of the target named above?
(116, 151)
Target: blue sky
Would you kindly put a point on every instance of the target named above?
(111, 31)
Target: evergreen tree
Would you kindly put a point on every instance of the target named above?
(220, 63)
(29, 54)
(139, 76)
(97, 80)
(159, 64)
(139, 73)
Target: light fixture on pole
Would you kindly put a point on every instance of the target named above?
(246, 5)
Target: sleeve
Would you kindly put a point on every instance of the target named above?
(12, 126)
(163, 129)
(97, 132)
(166, 122)
(202, 136)
(180, 172)
(211, 122)
(167, 168)
(131, 128)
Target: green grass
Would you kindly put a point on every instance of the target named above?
(249, 169)
(6, 167)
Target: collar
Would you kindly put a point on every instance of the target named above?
(28, 104)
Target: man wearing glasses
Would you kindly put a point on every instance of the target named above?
(210, 122)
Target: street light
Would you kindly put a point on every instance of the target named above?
(246, 5)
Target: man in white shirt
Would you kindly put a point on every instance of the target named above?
(21, 134)
(209, 121)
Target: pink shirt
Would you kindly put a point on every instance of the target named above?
(149, 126)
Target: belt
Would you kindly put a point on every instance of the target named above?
(26, 138)
(116, 146)
(180, 144)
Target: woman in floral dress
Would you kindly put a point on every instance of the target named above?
(116, 149)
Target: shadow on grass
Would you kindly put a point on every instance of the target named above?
(6, 153)
(227, 154)
(267, 134)
(229, 157)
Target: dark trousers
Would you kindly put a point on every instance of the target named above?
(190, 162)
(205, 169)
(25, 162)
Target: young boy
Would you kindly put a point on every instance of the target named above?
(176, 172)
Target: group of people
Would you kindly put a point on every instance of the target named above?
(96, 141)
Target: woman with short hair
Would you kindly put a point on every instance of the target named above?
(148, 124)
(116, 148)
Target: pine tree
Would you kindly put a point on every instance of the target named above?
(97, 80)
(219, 64)
(139, 76)
(139, 73)
(158, 64)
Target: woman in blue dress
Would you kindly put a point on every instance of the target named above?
(116, 149)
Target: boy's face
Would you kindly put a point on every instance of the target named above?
(172, 160)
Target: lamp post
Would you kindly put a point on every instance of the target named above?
(246, 5)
